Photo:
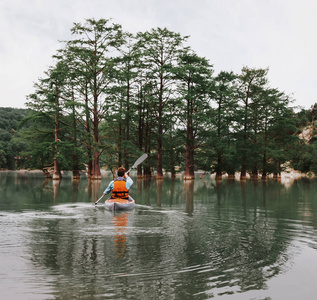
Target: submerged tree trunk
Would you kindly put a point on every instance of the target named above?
(255, 174)
(46, 173)
(243, 174)
(57, 171)
(76, 174)
(231, 175)
(218, 168)
(277, 173)
(189, 167)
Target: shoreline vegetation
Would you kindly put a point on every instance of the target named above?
(111, 96)
(289, 173)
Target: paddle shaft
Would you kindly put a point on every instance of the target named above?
(138, 161)
(99, 199)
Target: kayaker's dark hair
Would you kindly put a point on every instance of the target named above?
(121, 172)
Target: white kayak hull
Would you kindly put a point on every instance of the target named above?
(119, 204)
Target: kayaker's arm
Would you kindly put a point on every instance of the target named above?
(109, 188)
(129, 181)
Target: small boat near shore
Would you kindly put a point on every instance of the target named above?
(119, 204)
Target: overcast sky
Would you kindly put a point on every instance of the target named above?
(277, 34)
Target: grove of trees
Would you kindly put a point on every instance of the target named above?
(111, 96)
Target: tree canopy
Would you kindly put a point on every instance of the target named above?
(111, 95)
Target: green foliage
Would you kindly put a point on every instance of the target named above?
(112, 96)
(302, 157)
(11, 148)
(37, 132)
(313, 158)
(302, 118)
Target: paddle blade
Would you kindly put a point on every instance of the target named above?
(139, 160)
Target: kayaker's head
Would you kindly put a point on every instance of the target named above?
(121, 171)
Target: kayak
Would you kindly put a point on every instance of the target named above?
(119, 204)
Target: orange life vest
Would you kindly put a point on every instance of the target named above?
(120, 190)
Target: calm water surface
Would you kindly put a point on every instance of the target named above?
(201, 240)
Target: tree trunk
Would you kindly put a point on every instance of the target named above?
(255, 174)
(159, 170)
(119, 150)
(57, 172)
(46, 173)
(139, 172)
(126, 153)
(189, 173)
(231, 175)
(264, 172)
(189, 164)
(243, 174)
(190, 140)
(140, 134)
(277, 173)
(264, 162)
(95, 172)
(218, 168)
(147, 173)
(88, 132)
(219, 159)
(76, 174)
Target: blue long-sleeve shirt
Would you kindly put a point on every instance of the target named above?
(110, 187)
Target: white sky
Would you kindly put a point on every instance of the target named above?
(278, 34)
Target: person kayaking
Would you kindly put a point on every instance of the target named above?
(120, 187)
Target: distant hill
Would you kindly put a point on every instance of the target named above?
(10, 117)
(9, 147)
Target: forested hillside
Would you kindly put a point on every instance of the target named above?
(11, 146)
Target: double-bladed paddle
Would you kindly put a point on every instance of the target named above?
(138, 161)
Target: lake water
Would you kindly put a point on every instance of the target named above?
(193, 240)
